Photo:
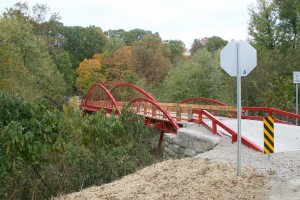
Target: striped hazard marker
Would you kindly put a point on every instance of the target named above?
(268, 135)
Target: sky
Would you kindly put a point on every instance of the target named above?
(184, 20)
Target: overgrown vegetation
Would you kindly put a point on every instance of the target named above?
(44, 152)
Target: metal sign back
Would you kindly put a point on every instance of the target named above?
(296, 77)
(247, 58)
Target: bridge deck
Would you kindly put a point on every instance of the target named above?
(286, 137)
(166, 116)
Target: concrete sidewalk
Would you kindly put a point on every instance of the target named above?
(286, 137)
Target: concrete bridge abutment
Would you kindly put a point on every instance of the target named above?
(189, 141)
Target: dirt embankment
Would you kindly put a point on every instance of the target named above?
(188, 178)
(211, 175)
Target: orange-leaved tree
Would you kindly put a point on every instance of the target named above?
(118, 66)
(151, 59)
(89, 72)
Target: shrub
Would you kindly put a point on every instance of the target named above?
(44, 152)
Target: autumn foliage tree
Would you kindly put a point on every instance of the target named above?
(118, 66)
(89, 72)
(151, 59)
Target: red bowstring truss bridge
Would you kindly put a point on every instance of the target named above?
(167, 117)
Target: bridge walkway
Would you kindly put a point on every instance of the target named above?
(216, 116)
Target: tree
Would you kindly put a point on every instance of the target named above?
(215, 43)
(263, 24)
(64, 66)
(112, 45)
(119, 65)
(135, 35)
(44, 23)
(150, 59)
(212, 44)
(278, 92)
(52, 32)
(13, 75)
(289, 15)
(197, 44)
(119, 34)
(128, 37)
(36, 16)
(83, 42)
(200, 77)
(177, 49)
(89, 72)
(274, 27)
(275, 24)
(20, 11)
(28, 53)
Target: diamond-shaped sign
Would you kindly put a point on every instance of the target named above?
(238, 53)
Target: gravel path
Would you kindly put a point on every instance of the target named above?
(283, 168)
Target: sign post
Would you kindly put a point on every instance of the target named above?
(296, 76)
(238, 58)
(239, 108)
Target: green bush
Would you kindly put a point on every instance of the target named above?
(45, 152)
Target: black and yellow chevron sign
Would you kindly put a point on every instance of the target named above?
(268, 135)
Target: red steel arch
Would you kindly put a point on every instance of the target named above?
(140, 92)
(99, 97)
(169, 124)
(203, 99)
(159, 118)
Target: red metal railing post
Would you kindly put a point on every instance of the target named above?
(200, 117)
(270, 113)
(214, 126)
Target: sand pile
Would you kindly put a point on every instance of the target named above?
(189, 178)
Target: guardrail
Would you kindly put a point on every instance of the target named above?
(184, 111)
(214, 128)
(270, 112)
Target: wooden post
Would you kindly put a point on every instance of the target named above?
(145, 109)
(153, 111)
(178, 112)
(190, 114)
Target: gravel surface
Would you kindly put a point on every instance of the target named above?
(283, 168)
(210, 175)
(183, 179)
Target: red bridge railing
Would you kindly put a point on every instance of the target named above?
(203, 99)
(215, 123)
(270, 112)
(98, 97)
(157, 114)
